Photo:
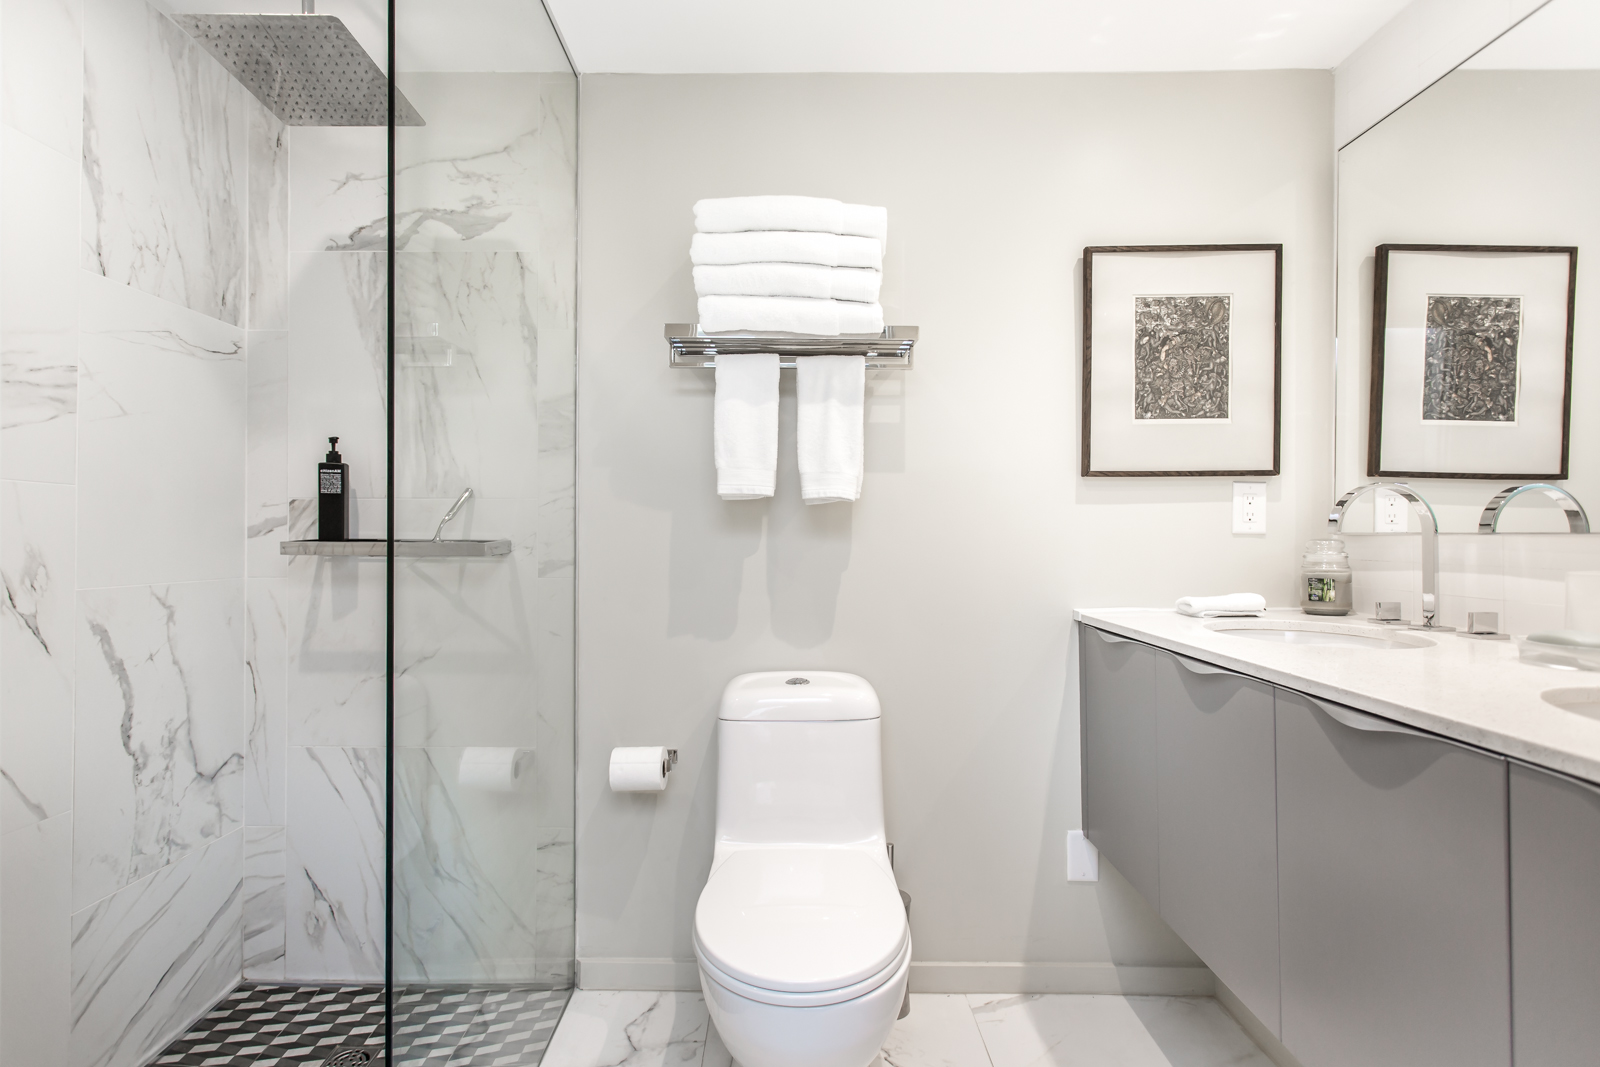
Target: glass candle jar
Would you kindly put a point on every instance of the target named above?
(1325, 579)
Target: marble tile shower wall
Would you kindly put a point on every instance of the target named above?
(191, 726)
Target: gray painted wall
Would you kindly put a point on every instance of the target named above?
(950, 585)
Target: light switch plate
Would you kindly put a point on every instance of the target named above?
(1390, 512)
(1083, 859)
(1249, 507)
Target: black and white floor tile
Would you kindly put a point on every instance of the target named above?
(305, 1026)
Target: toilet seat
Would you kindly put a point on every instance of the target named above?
(801, 926)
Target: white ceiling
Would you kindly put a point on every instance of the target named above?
(1562, 35)
(739, 36)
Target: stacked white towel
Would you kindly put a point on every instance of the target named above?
(788, 264)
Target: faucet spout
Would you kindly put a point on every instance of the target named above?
(1430, 541)
(1577, 518)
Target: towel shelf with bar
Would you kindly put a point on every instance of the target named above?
(692, 348)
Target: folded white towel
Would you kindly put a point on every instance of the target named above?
(830, 394)
(1211, 607)
(745, 425)
(789, 279)
(786, 246)
(735, 214)
(788, 314)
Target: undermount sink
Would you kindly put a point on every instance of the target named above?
(1323, 634)
(1580, 700)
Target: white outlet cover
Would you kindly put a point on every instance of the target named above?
(1389, 512)
(1083, 859)
(1249, 507)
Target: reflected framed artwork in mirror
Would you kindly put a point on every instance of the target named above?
(1181, 352)
(1471, 361)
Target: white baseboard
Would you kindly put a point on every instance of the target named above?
(1258, 1030)
(675, 974)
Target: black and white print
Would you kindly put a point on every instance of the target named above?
(1470, 359)
(1181, 357)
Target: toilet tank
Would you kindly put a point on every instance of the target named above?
(799, 761)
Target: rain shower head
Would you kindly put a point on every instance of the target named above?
(307, 69)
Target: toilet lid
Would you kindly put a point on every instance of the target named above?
(800, 920)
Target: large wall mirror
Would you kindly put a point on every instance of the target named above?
(1502, 153)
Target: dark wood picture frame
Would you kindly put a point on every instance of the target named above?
(1277, 358)
(1380, 319)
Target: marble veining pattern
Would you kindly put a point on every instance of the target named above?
(267, 485)
(334, 865)
(164, 158)
(607, 1028)
(268, 214)
(266, 703)
(36, 651)
(263, 910)
(149, 959)
(160, 747)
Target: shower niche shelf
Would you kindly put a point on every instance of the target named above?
(368, 546)
(690, 347)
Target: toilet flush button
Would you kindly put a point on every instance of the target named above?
(798, 681)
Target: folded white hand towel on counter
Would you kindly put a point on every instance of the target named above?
(786, 246)
(735, 214)
(789, 279)
(745, 425)
(830, 397)
(788, 314)
(1211, 607)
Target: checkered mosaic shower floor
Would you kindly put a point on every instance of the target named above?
(302, 1026)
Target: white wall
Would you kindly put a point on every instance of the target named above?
(950, 584)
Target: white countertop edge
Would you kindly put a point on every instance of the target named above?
(1545, 757)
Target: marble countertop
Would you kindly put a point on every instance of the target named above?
(1468, 690)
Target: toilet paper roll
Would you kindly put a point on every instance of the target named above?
(492, 770)
(639, 770)
(1583, 601)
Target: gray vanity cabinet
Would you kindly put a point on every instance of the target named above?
(1555, 919)
(1118, 721)
(1392, 875)
(1218, 833)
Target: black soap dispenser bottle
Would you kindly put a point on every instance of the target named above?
(333, 496)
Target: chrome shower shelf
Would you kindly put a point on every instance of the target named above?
(693, 348)
(368, 546)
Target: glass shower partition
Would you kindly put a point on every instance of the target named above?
(484, 248)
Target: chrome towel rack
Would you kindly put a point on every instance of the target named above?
(690, 347)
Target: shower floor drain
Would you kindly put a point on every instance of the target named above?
(349, 1057)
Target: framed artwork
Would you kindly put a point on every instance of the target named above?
(1182, 346)
(1471, 361)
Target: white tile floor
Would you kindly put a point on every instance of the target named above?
(625, 1029)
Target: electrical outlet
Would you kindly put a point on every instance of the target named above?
(1389, 512)
(1249, 507)
(1083, 859)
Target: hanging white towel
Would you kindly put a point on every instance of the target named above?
(786, 246)
(745, 425)
(788, 314)
(816, 213)
(1211, 607)
(789, 279)
(830, 392)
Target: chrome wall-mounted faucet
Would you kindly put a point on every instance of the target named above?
(1577, 518)
(1430, 542)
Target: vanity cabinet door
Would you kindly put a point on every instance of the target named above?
(1219, 829)
(1555, 919)
(1118, 716)
(1392, 878)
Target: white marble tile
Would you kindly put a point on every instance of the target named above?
(554, 915)
(149, 960)
(38, 307)
(266, 728)
(164, 160)
(555, 755)
(607, 1028)
(466, 874)
(268, 212)
(161, 441)
(36, 952)
(41, 72)
(36, 651)
(267, 488)
(939, 1032)
(334, 865)
(263, 911)
(1034, 1030)
(338, 363)
(334, 612)
(159, 749)
(338, 186)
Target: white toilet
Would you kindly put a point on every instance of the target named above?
(802, 940)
